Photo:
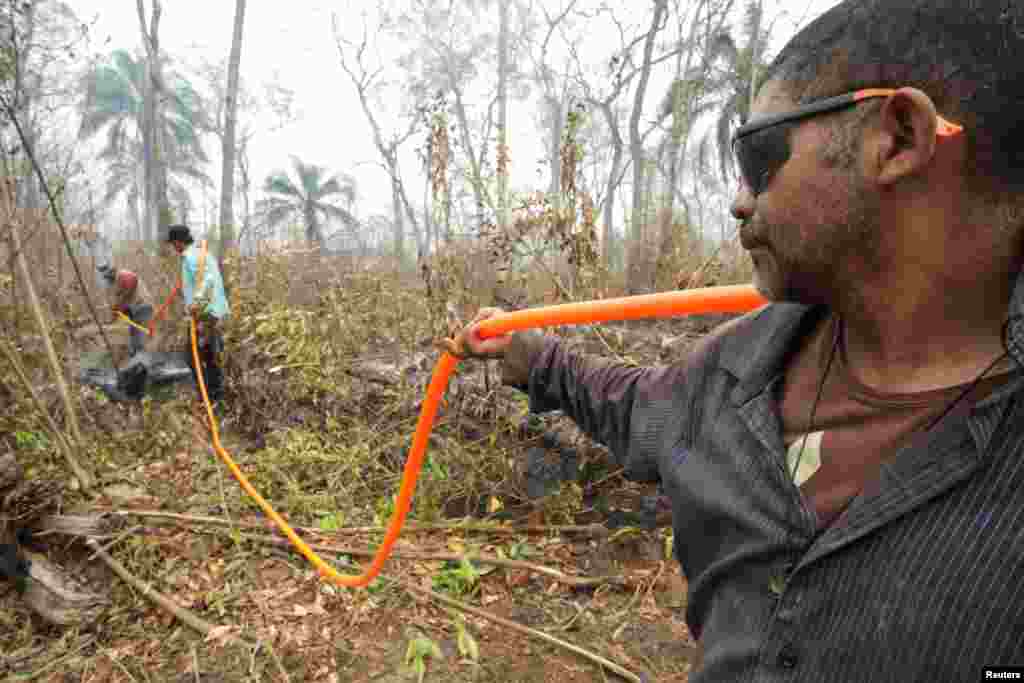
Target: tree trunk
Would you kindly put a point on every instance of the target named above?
(364, 82)
(634, 269)
(157, 213)
(147, 231)
(57, 597)
(475, 177)
(227, 177)
(613, 182)
(755, 54)
(313, 237)
(503, 156)
(555, 145)
(11, 473)
(399, 221)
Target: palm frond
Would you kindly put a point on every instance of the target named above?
(274, 215)
(338, 213)
(309, 176)
(340, 184)
(278, 183)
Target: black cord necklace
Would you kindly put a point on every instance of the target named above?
(837, 337)
(817, 398)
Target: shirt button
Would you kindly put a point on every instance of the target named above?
(788, 657)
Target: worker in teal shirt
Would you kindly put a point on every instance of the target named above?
(202, 288)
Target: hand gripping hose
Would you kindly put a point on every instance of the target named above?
(730, 299)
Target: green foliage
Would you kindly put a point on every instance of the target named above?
(518, 550)
(307, 472)
(31, 441)
(385, 510)
(561, 507)
(457, 579)
(331, 522)
(420, 648)
(466, 643)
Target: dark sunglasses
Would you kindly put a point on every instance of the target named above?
(761, 147)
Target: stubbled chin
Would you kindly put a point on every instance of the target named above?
(766, 275)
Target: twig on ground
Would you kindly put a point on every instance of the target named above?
(513, 626)
(443, 599)
(120, 537)
(594, 530)
(566, 579)
(594, 484)
(11, 663)
(160, 600)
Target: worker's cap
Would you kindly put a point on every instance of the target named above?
(179, 233)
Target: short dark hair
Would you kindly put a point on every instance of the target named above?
(179, 233)
(107, 271)
(967, 55)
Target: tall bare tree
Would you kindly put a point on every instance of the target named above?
(228, 148)
(448, 52)
(634, 264)
(366, 79)
(503, 151)
(156, 214)
(554, 90)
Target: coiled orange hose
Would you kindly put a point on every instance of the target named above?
(730, 299)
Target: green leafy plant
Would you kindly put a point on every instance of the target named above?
(385, 509)
(31, 441)
(467, 644)
(416, 654)
(331, 522)
(435, 469)
(458, 579)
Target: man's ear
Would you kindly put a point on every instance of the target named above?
(905, 142)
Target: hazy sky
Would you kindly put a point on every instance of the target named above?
(292, 42)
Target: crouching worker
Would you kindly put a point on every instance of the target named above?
(202, 288)
(128, 296)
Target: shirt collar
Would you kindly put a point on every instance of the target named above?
(1015, 326)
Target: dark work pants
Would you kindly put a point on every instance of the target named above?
(140, 314)
(211, 346)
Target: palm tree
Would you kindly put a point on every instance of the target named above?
(124, 179)
(113, 103)
(309, 199)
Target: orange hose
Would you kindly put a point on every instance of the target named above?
(732, 299)
(728, 299)
(162, 311)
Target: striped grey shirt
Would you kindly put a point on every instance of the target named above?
(920, 580)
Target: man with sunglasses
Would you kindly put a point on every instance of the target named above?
(846, 464)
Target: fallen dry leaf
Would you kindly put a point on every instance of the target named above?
(221, 635)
